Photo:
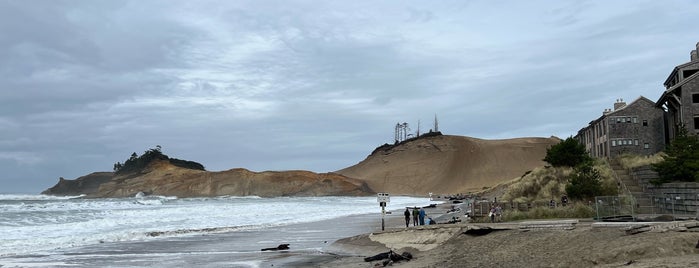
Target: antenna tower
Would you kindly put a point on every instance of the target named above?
(436, 124)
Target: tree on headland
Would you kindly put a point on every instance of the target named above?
(681, 162)
(137, 163)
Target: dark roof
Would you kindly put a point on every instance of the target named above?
(674, 70)
(676, 86)
(640, 98)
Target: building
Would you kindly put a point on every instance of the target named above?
(680, 100)
(636, 128)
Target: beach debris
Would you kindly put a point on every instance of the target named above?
(391, 257)
(629, 262)
(280, 247)
(686, 226)
(479, 231)
(553, 224)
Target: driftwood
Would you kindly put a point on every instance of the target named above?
(280, 247)
(391, 257)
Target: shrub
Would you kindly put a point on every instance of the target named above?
(681, 162)
(585, 183)
(569, 153)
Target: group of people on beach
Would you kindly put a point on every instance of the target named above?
(418, 217)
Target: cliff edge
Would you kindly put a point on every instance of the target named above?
(161, 177)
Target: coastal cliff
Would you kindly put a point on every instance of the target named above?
(160, 177)
(441, 164)
(445, 164)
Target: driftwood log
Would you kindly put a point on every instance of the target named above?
(280, 247)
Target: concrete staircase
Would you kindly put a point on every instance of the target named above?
(629, 186)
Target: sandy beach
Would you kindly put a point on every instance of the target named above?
(588, 244)
(346, 241)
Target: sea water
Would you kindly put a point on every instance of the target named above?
(33, 225)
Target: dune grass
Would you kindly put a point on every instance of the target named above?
(575, 210)
(630, 161)
(545, 183)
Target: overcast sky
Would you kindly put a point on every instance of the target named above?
(312, 85)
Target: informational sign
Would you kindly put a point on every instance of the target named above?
(383, 198)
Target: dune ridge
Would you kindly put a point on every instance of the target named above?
(448, 164)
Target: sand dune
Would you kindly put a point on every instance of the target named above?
(449, 164)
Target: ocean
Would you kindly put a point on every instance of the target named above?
(39, 230)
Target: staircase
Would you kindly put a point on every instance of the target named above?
(629, 186)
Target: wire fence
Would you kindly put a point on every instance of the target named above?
(646, 207)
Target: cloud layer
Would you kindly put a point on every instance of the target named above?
(315, 85)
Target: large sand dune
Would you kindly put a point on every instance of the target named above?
(449, 164)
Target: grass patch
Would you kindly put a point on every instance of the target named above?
(629, 161)
(574, 211)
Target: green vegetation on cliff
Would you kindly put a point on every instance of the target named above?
(136, 163)
(681, 160)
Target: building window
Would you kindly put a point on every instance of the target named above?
(695, 98)
(646, 146)
(635, 120)
(645, 123)
(613, 143)
(628, 120)
(635, 142)
(696, 122)
(618, 119)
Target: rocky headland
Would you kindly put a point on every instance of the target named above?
(441, 164)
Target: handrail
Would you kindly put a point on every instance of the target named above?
(623, 185)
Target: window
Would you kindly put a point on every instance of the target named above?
(645, 123)
(635, 120)
(618, 119)
(613, 143)
(628, 120)
(695, 98)
(635, 142)
(646, 146)
(696, 122)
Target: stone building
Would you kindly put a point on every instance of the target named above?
(636, 128)
(680, 99)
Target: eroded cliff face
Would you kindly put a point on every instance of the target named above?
(87, 184)
(162, 178)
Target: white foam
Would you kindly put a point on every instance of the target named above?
(31, 226)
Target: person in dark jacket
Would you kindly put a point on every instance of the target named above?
(407, 217)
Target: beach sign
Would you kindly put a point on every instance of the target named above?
(383, 198)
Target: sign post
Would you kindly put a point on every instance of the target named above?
(383, 199)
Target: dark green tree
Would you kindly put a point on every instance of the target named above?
(137, 163)
(585, 183)
(681, 162)
(569, 153)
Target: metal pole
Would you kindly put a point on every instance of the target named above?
(383, 213)
(597, 208)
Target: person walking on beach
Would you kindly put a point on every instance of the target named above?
(422, 216)
(415, 213)
(407, 217)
